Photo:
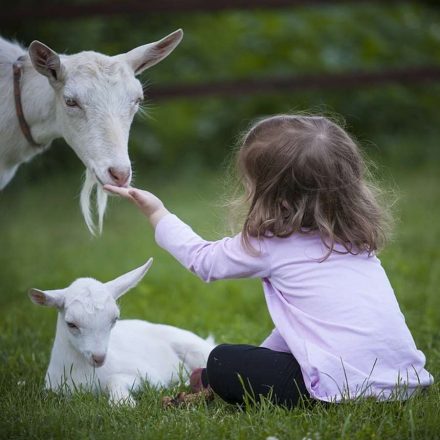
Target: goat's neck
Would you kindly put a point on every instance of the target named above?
(39, 99)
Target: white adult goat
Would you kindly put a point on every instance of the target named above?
(95, 351)
(88, 98)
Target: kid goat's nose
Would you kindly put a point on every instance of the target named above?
(98, 359)
(119, 175)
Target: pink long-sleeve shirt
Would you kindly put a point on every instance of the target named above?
(338, 317)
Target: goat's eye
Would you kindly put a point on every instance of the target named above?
(139, 101)
(72, 325)
(114, 321)
(70, 102)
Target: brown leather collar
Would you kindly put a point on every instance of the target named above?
(17, 68)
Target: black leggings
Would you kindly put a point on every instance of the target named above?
(236, 370)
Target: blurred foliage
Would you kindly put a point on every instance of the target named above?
(254, 44)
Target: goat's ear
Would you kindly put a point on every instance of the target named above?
(150, 54)
(48, 298)
(47, 62)
(125, 282)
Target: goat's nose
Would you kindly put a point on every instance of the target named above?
(120, 175)
(98, 359)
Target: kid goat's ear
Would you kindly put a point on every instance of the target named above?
(125, 282)
(48, 298)
(150, 54)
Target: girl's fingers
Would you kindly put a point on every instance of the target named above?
(124, 192)
(138, 197)
(142, 199)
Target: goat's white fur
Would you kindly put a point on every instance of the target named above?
(108, 93)
(133, 350)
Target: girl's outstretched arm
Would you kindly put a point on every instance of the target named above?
(210, 260)
(151, 206)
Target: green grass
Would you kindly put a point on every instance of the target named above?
(45, 244)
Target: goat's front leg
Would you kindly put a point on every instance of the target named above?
(119, 388)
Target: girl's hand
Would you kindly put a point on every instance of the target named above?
(148, 203)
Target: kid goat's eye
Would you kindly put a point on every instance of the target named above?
(70, 102)
(72, 325)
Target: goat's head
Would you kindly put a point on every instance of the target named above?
(97, 97)
(88, 311)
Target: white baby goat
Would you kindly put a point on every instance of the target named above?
(94, 351)
(88, 98)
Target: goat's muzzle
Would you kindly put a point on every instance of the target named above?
(120, 175)
(98, 360)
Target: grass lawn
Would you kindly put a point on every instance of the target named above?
(45, 244)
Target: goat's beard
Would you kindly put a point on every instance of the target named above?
(90, 182)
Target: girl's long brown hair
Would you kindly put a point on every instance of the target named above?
(305, 174)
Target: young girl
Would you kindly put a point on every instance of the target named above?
(311, 233)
